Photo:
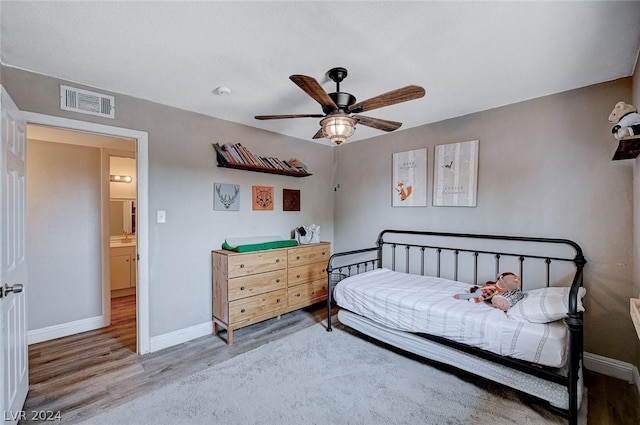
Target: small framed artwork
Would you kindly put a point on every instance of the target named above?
(262, 198)
(226, 197)
(410, 178)
(455, 174)
(290, 200)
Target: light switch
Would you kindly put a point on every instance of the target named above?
(161, 216)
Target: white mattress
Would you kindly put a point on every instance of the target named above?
(425, 304)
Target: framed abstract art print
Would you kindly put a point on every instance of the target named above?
(455, 174)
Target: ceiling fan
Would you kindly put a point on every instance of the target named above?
(341, 110)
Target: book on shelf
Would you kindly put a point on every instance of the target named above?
(221, 154)
(243, 154)
(283, 165)
(272, 163)
(233, 153)
(252, 158)
(290, 167)
(238, 154)
(297, 164)
(263, 161)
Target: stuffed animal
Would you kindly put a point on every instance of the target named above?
(506, 282)
(627, 118)
(505, 300)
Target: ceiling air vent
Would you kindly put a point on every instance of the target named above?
(86, 102)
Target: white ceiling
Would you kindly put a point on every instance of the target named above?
(469, 56)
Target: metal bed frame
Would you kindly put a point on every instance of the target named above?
(349, 263)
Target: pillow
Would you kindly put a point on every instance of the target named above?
(544, 305)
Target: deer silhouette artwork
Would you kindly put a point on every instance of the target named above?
(227, 199)
(404, 192)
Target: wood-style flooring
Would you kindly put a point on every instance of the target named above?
(84, 374)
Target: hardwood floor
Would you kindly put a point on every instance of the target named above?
(612, 401)
(81, 375)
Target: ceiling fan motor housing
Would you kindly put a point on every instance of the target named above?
(342, 100)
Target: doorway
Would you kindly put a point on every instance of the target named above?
(139, 141)
(65, 220)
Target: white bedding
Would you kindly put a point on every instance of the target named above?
(425, 304)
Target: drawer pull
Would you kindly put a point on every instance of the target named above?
(243, 310)
(277, 260)
(277, 280)
(278, 300)
(242, 288)
(298, 257)
(324, 270)
(297, 295)
(242, 266)
(298, 276)
(323, 253)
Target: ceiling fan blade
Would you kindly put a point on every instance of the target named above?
(384, 125)
(315, 90)
(277, 117)
(390, 98)
(318, 135)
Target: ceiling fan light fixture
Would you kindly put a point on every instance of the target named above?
(338, 128)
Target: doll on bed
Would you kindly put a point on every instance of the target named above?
(503, 293)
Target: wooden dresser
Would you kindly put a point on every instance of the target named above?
(255, 286)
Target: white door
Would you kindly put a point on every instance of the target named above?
(14, 382)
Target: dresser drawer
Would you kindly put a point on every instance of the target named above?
(307, 273)
(257, 262)
(308, 293)
(247, 286)
(308, 254)
(247, 308)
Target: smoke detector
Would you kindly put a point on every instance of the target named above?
(222, 91)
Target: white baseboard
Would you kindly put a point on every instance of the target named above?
(65, 329)
(181, 335)
(611, 367)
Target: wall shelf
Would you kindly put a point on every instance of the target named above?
(240, 158)
(628, 148)
(263, 170)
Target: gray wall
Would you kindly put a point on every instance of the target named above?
(182, 170)
(63, 233)
(545, 169)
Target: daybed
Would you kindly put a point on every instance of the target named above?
(401, 293)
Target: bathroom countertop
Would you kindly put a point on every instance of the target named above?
(118, 244)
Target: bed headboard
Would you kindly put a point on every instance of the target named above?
(471, 258)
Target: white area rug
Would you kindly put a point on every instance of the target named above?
(317, 377)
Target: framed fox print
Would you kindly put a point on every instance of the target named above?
(410, 178)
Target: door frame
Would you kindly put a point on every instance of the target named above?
(142, 232)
